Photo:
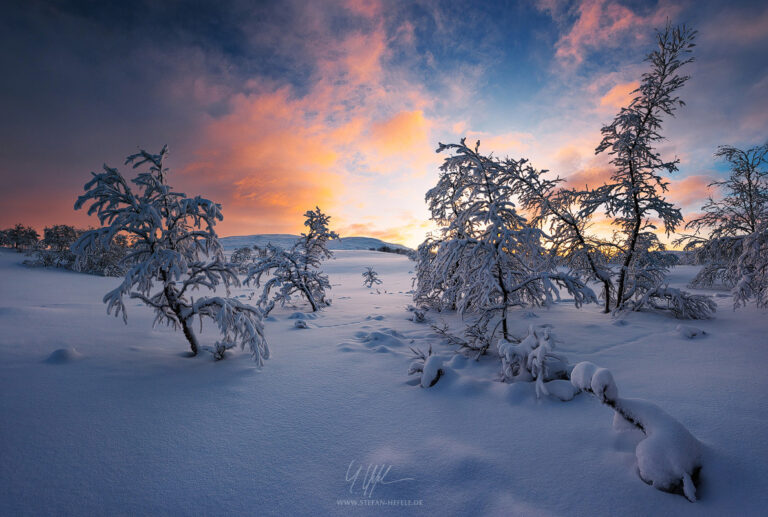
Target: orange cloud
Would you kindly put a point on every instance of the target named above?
(277, 152)
(620, 95)
(405, 131)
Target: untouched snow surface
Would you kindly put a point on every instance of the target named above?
(101, 418)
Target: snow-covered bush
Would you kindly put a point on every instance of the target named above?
(54, 248)
(429, 367)
(682, 305)
(175, 252)
(419, 314)
(669, 457)
(752, 269)
(370, 277)
(532, 359)
(296, 271)
(487, 257)
(109, 259)
(20, 237)
(242, 258)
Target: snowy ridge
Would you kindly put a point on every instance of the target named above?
(285, 240)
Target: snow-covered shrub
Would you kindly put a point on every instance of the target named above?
(669, 457)
(109, 259)
(681, 304)
(54, 248)
(286, 276)
(752, 270)
(241, 259)
(370, 277)
(690, 332)
(296, 271)
(20, 237)
(532, 359)
(487, 257)
(175, 252)
(429, 367)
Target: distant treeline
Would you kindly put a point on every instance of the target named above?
(55, 249)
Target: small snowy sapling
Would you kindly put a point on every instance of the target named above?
(296, 271)
(370, 278)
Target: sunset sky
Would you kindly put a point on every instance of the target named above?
(271, 108)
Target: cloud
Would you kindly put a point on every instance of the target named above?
(690, 191)
(404, 132)
(601, 24)
(620, 95)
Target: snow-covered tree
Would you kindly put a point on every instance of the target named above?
(752, 271)
(557, 210)
(285, 273)
(731, 249)
(744, 204)
(242, 258)
(175, 251)
(21, 237)
(634, 194)
(487, 257)
(370, 277)
(54, 248)
(105, 260)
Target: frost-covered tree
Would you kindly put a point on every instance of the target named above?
(370, 278)
(54, 248)
(105, 260)
(21, 237)
(285, 273)
(726, 239)
(242, 258)
(487, 258)
(744, 205)
(634, 194)
(556, 209)
(752, 271)
(175, 252)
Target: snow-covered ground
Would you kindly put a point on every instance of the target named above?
(99, 418)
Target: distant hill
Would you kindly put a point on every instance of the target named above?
(286, 241)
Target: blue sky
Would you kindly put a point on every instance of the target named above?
(273, 107)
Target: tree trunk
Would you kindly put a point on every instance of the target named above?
(190, 335)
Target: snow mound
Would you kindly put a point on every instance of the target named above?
(300, 324)
(303, 316)
(64, 355)
(690, 332)
(669, 458)
(379, 338)
(561, 389)
(431, 372)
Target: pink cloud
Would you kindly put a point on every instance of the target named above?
(620, 95)
(602, 24)
(691, 190)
